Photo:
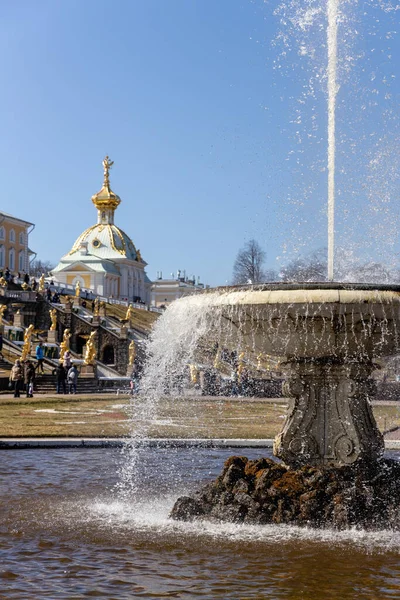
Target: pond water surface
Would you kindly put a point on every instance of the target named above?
(68, 530)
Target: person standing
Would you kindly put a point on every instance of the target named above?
(72, 379)
(67, 360)
(40, 357)
(29, 378)
(60, 379)
(1, 346)
(16, 377)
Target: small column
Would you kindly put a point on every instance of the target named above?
(19, 319)
(52, 336)
(123, 332)
(88, 371)
(329, 420)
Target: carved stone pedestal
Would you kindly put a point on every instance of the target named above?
(330, 420)
(19, 319)
(52, 336)
(87, 371)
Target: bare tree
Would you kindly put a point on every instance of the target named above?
(309, 268)
(248, 266)
(37, 267)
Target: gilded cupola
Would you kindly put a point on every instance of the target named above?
(106, 201)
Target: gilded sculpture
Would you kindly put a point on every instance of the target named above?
(53, 317)
(27, 347)
(90, 354)
(132, 353)
(64, 346)
(41, 283)
(77, 289)
(129, 313)
(96, 311)
(3, 282)
(3, 308)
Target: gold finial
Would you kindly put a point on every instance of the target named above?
(107, 164)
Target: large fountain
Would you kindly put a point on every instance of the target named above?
(328, 338)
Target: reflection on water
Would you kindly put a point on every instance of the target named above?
(66, 533)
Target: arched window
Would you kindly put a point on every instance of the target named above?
(2, 233)
(2, 256)
(21, 260)
(12, 235)
(22, 238)
(11, 259)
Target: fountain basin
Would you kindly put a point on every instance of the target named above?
(310, 321)
(327, 337)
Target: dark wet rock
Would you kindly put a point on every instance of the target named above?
(263, 491)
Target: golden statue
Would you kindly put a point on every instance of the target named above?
(217, 361)
(41, 283)
(129, 313)
(194, 374)
(240, 366)
(27, 347)
(24, 286)
(53, 317)
(132, 353)
(96, 307)
(90, 354)
(3, 282)
(77, 289)
(138, 256)
(3, 308)
(107, 164)
(64, 346)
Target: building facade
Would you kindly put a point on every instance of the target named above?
(103, 258)
(14, 248)
(165, 291)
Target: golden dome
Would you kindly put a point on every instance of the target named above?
(106, 198)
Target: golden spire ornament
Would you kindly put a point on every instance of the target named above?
(107, 164)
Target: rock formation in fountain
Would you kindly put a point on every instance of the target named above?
(263, 491)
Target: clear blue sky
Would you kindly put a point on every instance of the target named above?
(202, 113)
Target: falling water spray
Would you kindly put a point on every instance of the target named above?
(333, 10)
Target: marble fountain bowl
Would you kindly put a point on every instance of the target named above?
(327, 336)
(313, 321)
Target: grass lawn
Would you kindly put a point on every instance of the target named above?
(98, 416)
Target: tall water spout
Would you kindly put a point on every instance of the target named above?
(333, 9)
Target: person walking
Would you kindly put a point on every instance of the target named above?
(17, 377)
(61, 376)
(72, 379)
(40, 357)
(29, 378)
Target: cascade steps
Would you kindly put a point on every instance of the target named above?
(46, 384)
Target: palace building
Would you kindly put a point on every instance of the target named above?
(14, 250)
(104, 259)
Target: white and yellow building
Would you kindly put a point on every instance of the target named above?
(104, 259)
(165, 291)
(14, 248)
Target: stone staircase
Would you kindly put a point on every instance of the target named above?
(46, 384)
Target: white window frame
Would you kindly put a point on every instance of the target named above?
(11, 259)
(2, 233)
(21, 238)
(21, 260)
(12, 235)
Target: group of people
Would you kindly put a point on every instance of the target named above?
(66, 373)
(23, 374)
